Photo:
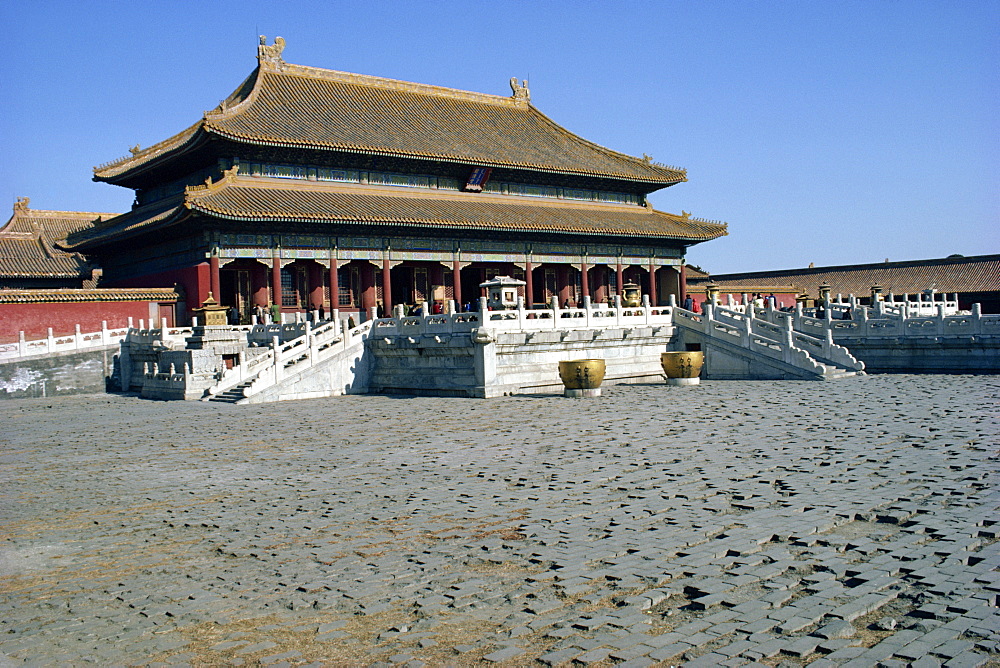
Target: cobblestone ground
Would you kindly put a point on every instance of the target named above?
(845, 523)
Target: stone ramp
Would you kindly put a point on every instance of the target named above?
(742, 347)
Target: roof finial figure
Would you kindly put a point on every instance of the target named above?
(521, 92)
(270, 54)
(21, 204)
(135, 150)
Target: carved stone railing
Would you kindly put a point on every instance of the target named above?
(882, 322)
(78, 341)
(770, 338)
(314, 346)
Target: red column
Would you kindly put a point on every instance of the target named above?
(562, 283)
(683, 287)
(456, 279)
(386, 287)
(213, 276)
(259, 278)
(276, 280)
(652, 285)
(621, 278)
(584, 280)
(334, 285)
(203, 283)
(529, 287)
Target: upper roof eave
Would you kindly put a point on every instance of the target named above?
(221, 122)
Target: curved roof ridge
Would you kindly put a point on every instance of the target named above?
(140, 156)
(241, 98)
(605, 149)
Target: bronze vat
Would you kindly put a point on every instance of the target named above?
(582, 374)
(683, 364)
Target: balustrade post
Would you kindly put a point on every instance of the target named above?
(276, 352)
(746, 331)
(787, 340)
(373, 312)
(828, 344)
(105, 335)
(77, 337)
(977, 318)
(22, 345)
(672, 300)
(50, 342)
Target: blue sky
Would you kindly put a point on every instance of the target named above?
(824, 132)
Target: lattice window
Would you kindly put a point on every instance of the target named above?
(349, 283)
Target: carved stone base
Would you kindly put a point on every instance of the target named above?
(582, 394)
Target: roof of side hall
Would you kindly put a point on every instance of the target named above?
(293, 106)
(27, 243)
(977, 273)
(240, 198)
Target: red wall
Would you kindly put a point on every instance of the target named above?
(195, 281)
(35, 319)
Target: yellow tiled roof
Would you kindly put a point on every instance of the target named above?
(269, 200)
(979, 273)
(27, 243)
(305, 107)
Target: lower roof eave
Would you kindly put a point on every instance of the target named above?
(450, 226)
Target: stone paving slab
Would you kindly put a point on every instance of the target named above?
(733, 523)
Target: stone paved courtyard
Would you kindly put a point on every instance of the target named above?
(844, 523)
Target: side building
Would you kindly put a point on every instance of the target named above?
(975, 279)
(311, 189)
(43, 287)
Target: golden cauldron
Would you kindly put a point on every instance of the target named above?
(582, 378)
(631, 295)
(683, 367)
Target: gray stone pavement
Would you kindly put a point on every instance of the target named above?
(736, 523)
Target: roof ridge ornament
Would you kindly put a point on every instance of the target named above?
(270, 55)
(21, 203)
(521, 92)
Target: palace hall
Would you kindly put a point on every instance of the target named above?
(310, 189)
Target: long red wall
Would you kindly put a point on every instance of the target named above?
(34, 319)
(195, 281)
